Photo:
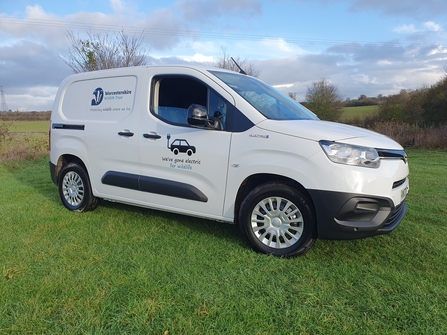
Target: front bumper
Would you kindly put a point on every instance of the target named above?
(345, 216)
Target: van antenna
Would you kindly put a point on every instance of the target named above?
(240, 69)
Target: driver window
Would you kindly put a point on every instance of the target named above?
(173, 95)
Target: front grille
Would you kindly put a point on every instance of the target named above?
(392, 154)
(398, 183)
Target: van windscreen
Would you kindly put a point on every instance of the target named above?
(267, 100)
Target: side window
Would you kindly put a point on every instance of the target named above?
(173, 95)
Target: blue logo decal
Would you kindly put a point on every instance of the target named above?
(98, 95)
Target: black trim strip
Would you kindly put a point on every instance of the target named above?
(399, 183)
(120, 179)
(68, 126)
(171, 189)
(153, 185)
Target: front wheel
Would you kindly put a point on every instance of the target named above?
(278, 219)
(75, 190)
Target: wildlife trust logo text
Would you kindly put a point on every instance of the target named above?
(98, 95)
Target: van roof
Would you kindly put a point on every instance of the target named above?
(197, 67)
(123, 70)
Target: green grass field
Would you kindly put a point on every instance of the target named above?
(353, 113)
(126, 270)
(30, 126)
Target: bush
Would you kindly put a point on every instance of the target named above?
(424, 107)
(434, 104)
(24, 147)
(15, 146)
(5, 135)
(412, 135)
(405, 107)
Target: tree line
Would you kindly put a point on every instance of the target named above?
(426, 106)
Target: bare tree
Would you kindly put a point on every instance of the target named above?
(324, 100)
(224, 61)
(104, 51)
(292, 95)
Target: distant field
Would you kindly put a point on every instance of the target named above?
(352, 113)
(30, 127)
(25, 140)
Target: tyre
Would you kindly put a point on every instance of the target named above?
(75, 190)
(175, 151)
(278, 219)
(189, 152)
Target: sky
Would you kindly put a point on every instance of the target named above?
(364, 47)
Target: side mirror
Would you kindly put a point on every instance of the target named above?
(197, 115)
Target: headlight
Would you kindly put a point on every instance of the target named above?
(351, 154)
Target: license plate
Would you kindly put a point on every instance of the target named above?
(403, 193)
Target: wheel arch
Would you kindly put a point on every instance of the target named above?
(254, 180)
(66, 159)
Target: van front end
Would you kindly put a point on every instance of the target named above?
(366, 198)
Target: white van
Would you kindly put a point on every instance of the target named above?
(224, 146)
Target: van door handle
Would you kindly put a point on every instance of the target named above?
(126, 133)
(154, 136)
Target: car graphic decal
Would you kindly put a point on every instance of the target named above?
(180, 145)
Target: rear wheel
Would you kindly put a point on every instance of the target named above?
(278, 219)
(75, 190)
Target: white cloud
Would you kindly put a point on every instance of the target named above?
(198, 57)
(365, 79)
(117, 6)
(439, 50)
(405, 29)
(283, 86)
(432, 26)
(281, 46)
(35, 12)
(41, 98)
